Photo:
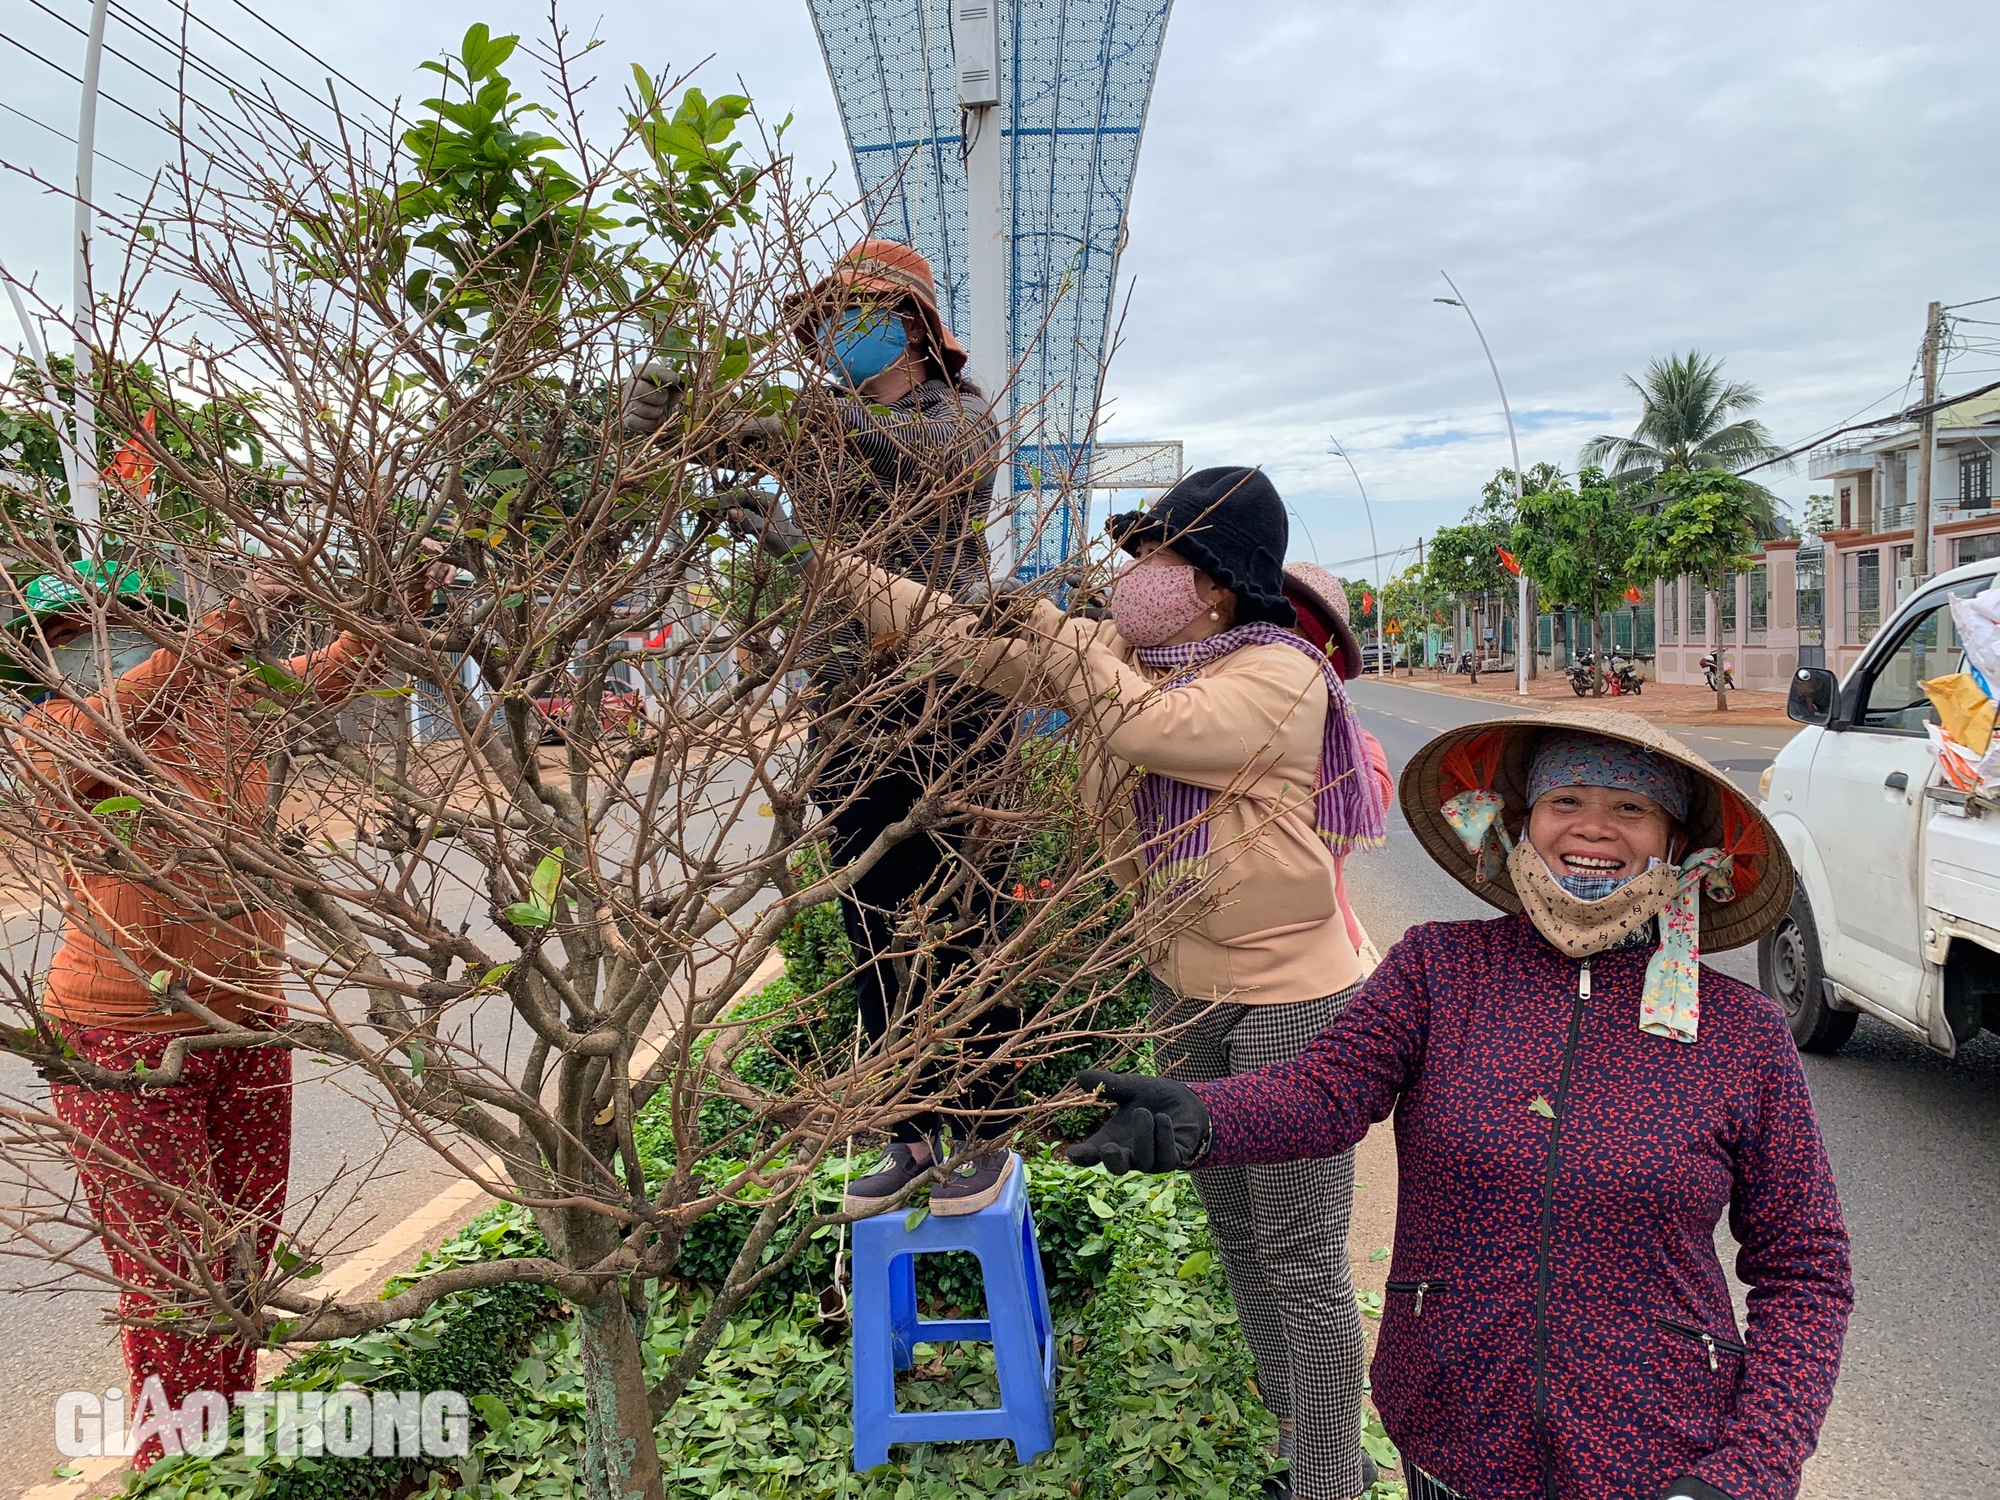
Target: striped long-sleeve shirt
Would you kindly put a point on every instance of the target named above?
(908, 484)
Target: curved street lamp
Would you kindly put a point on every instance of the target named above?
(1522, 647)
(1373, 546)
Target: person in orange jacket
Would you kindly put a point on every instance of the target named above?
(192, 1176)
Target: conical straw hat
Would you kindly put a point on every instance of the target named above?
(1505, 748)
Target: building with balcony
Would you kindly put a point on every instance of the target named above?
(1819, 602)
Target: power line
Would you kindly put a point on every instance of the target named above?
(292, 42)
(241, 97)
(64, 135)
(1908, 414)
(176, 48)
(1348, 562)
(157, 124)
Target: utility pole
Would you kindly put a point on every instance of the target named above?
(976, 51)
(1920, 541)
(1425, 596)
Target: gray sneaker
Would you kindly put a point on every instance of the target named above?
(871, 1194)
(972, 1185)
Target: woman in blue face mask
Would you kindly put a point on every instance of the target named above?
(913, 475)
(892, 450)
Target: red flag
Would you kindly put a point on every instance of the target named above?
(1507, 561)
(132, 467)
(655, 641)
(1367, 603)
(1633, 596)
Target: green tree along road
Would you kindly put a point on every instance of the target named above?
(1690, 419)
(1582, 545)
(1706, 527)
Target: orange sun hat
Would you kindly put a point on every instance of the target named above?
(890, 271)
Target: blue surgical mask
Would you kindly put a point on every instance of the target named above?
(1591, 887)
(864, 343)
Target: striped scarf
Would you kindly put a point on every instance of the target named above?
(1172, 816)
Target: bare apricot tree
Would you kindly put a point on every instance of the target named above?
(531, 836)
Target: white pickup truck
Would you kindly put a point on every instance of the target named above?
(1897, 909)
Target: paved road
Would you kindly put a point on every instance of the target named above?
(356, 1175)
(1915, 1143)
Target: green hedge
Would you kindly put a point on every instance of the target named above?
(469, 1342)
(1155, 1397)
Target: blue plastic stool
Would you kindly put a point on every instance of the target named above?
(887, 1329)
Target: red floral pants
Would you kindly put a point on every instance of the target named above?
(221, 1140)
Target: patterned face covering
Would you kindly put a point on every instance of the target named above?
(1580, 925)
(1154, 602)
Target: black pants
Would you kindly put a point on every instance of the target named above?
(869, 795)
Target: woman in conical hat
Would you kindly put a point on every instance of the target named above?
(1577, 1104)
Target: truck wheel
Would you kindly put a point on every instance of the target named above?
(1788, 970)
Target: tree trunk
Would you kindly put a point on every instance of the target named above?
(1596, 652)
(621, 1460)
(1721, 667)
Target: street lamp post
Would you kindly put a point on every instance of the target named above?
(1521, 644)
(1373, 546)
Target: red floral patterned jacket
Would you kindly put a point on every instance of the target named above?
(1557, 1325)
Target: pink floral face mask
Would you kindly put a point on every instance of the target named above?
(1153, 602)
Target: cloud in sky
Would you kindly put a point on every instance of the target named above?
(1786, 186)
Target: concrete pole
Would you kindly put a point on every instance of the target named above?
(83, 497)
(1920, 548)
(989, 241)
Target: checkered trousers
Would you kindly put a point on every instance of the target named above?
(1282, 1234)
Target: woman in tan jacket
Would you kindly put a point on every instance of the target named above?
(1232, 779)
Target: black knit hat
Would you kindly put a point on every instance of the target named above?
(1230, 523)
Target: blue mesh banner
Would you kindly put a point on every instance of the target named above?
(1078, 77)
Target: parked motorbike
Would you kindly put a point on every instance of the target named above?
(1624, 677)
(1582, 675)
(1710, 672)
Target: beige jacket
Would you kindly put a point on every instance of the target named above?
(1266, 928)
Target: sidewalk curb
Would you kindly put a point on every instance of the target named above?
(1755, 716)
(373, 1263)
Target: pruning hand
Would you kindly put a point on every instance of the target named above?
(766, 517)
(1003, 607)
(1160, 1126)
(650, 398)
(267, 588)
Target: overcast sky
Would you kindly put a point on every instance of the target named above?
(1785, 185)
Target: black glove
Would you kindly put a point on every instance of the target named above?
(1687, 1487)
(1160, 1126)
(650, 398)
(765, 516)
(1003, 607)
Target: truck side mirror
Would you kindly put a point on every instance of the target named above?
(1814, 693)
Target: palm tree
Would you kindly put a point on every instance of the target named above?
(1690, 419)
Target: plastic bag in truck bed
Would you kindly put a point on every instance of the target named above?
(1963, 708)
(1978, 621)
